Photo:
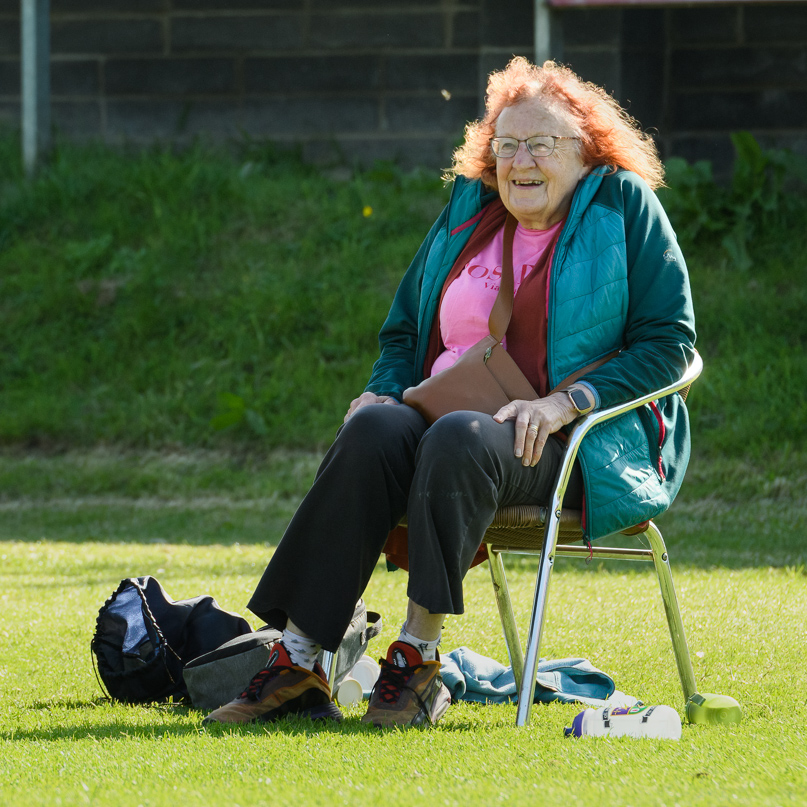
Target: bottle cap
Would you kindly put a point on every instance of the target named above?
(576, 729)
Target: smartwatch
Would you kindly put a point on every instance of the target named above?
(579, 400)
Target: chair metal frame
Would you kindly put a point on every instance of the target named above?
(537, 530)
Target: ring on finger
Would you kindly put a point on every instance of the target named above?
(533, 428)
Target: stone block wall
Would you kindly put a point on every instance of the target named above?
(358, 79)
(694, 74)
(367, 79)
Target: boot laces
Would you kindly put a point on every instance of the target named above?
(393, 680)
(256, 685)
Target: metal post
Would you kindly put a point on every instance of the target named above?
(543, 32)
(35, 39)
(329, 667)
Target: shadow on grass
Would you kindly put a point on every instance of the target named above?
(700, 533)
(103, 728)
(117, 720)
(121, 729)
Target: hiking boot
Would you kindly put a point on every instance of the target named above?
(409, 691)
(280, 688)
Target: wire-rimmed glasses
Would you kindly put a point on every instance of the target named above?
(537, 145)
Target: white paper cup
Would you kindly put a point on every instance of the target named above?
(366, 672)
(350, 692)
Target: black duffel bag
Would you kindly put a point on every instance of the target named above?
(143, 639)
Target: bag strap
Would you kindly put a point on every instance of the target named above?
(502, 310)
(570, 379)
(97, 673)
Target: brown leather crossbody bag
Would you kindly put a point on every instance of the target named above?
(485, 378)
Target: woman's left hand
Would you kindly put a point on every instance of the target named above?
(535, 421)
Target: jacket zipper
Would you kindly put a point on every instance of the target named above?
(662, 431)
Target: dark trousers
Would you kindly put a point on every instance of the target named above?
(386, 461)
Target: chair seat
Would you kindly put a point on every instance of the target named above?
(521, 526)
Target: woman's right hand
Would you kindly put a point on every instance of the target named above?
(367, 398)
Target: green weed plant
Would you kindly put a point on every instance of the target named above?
(198, 298)
(766, 188)
(746, 248)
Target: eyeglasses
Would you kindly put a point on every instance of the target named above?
(538, 146)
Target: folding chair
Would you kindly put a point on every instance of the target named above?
(546, 531)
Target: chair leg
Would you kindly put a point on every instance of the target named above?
(502, 592)
(526, 691)
(680, 646)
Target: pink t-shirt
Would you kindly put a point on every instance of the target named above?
(469, 300)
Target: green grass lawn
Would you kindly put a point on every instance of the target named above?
(740, 579)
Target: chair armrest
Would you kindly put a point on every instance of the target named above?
(586, 422)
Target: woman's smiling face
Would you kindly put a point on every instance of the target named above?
(538, 190)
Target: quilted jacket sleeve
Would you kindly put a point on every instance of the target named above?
(659, 334)
(393, 371)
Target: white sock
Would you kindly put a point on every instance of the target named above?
(303, 652)
(427, 649)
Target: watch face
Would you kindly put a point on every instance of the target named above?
(579, 399)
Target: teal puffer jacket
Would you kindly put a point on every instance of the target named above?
(618, 281)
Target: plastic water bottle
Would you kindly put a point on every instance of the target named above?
(655, 722)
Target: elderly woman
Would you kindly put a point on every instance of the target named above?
(598, 274)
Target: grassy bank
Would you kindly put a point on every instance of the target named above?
(231, 300)
(145, 295)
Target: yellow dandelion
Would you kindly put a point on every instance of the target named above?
(367, 211)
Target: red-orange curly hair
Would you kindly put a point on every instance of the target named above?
(608, 135)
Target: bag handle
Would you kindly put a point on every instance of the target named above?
(374, 626)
